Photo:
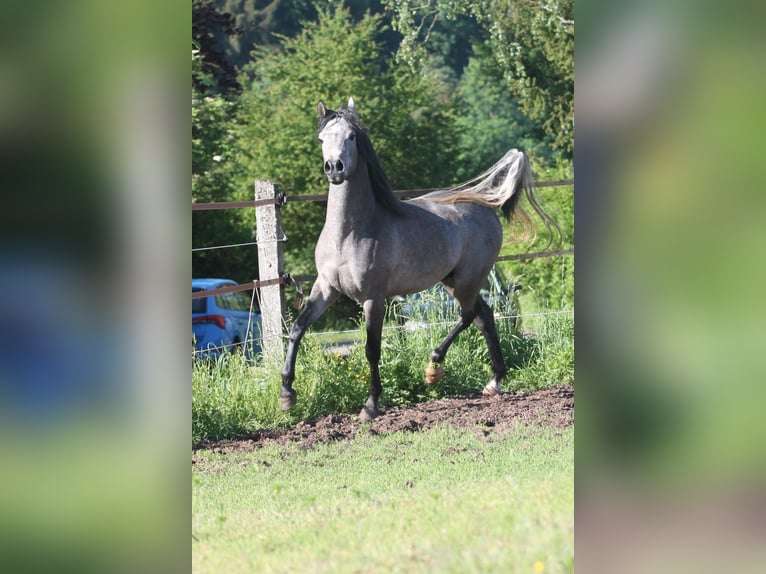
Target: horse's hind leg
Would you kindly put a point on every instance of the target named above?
(434, 370)
(438, 354)
(485, 321)
(322, 296)
(481, 315)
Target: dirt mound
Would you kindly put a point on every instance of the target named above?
(484, 415)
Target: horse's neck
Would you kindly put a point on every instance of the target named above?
(350, 205)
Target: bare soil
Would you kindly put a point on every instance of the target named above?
(486, 416)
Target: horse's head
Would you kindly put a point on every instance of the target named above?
(337, 131)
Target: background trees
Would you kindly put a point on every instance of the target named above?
(528, 45)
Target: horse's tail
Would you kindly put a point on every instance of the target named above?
(501, 186)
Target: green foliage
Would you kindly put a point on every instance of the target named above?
(544, 352)
(328, 382)
(490, 123)
(210, 28)
(231, 397)
(530, 43)
(548, 283)
(260, 21)
(217, 176)
(267, 22)
(533, 46)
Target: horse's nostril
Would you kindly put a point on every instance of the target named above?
(333, 166)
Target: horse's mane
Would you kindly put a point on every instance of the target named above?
(381, 187)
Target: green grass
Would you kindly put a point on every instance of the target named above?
(441, 500)
(334, 337)
(231, 397)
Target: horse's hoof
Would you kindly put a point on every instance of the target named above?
(286, 402)
(491, 390)
(367, 414)
(434, 372)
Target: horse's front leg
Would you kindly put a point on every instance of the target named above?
(374, 312)
(322, 296)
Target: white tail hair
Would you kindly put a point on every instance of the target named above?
(501, 187)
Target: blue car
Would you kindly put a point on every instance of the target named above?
(220, 322)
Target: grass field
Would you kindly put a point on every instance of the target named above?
(441, 500)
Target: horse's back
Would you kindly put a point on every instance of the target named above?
(436, 240)
(464, 220)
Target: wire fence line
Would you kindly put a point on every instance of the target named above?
(389, 328)
(283, 239)
(426, 324)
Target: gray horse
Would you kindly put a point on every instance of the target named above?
(373, 245)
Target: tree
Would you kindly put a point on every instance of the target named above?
(216, 176)
(213, 73)
(490, 123)
(259, 21)
(531, 44)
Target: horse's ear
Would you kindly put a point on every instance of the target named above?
(350, 105)
(321, 110)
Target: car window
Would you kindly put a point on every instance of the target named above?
(199, 305)
(243, 299)
(234, 301)
(238, 303)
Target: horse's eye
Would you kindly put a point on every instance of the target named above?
(352, 137)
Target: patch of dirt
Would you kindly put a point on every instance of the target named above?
(553, 407)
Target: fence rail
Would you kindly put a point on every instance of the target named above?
(322, 198)
(279, 200)
(535, 255)
(255, 284)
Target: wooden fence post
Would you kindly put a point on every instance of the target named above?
(270, 266)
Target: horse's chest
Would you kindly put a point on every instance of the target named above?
(349, 266)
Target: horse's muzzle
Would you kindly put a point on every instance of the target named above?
(334, 171)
